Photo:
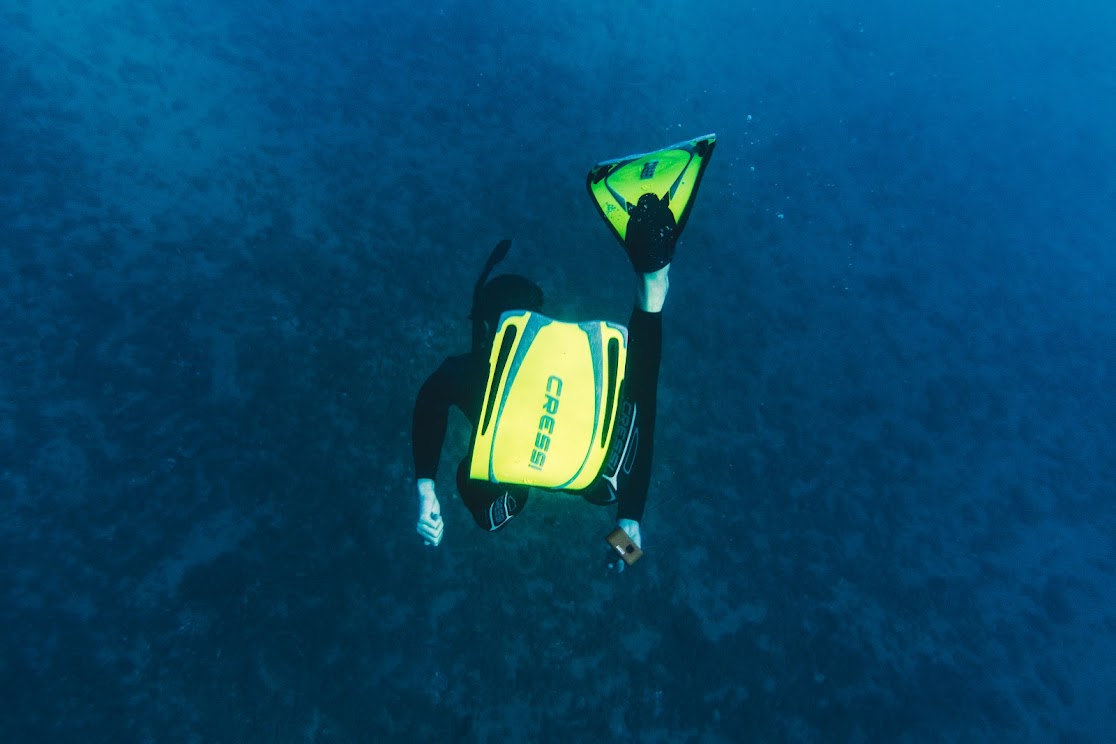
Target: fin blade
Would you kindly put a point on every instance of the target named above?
(674, 172)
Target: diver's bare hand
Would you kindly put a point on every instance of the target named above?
(630, 526)
(430, 524)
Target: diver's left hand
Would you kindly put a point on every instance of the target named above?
(430, 524)
(615, 563)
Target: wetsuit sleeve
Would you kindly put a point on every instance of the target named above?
(645, 353)
(431, 415)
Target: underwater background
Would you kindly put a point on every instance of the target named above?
(235, 238)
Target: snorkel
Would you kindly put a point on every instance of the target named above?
(492, 298)
(497, 255)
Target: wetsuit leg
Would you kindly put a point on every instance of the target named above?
(491, 504)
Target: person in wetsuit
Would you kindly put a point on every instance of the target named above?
(634, 196)
(460, 381)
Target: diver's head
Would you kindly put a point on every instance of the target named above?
(491, 299)
(497, 296)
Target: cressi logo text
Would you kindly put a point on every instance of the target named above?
(546, 423)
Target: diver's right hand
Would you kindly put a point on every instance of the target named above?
(430, 524)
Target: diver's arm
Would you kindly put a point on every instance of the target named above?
(429, 421)
(428, 433)
(645, 353)
(631, 501)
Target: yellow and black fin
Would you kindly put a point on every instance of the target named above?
(672, 173)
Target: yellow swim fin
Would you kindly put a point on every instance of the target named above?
(550, 406)
(673, 173)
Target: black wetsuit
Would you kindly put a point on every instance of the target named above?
(460, 381)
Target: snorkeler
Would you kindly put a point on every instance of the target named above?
(564, 406)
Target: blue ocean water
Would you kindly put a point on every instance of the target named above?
(235, 237)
